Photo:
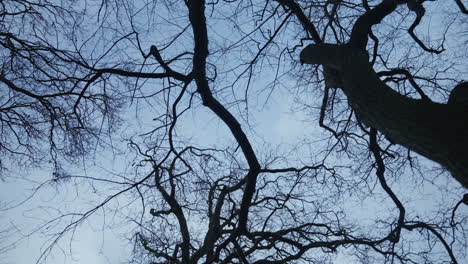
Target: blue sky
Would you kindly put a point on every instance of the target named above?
(273, 125)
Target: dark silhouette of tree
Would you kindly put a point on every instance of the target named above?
(48, 110)
(434, 130)
(79, 78)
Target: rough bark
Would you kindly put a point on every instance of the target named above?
(436, 131)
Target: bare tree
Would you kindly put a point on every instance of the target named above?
(51, 99)
(70, 75)
(434, 130)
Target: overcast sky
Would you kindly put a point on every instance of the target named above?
(274, 125)
(104, 237)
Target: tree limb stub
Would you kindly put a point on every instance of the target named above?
(436, 131)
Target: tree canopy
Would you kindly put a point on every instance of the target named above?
(170, 116)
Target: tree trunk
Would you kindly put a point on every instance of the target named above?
(436, 131)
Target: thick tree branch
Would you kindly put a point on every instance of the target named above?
(198, 21)
(419, 10)
(176, 209)
(461, 6)
(380, 172)
(362, 27)
(422, 225)
(436, 131)
(305, 21)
